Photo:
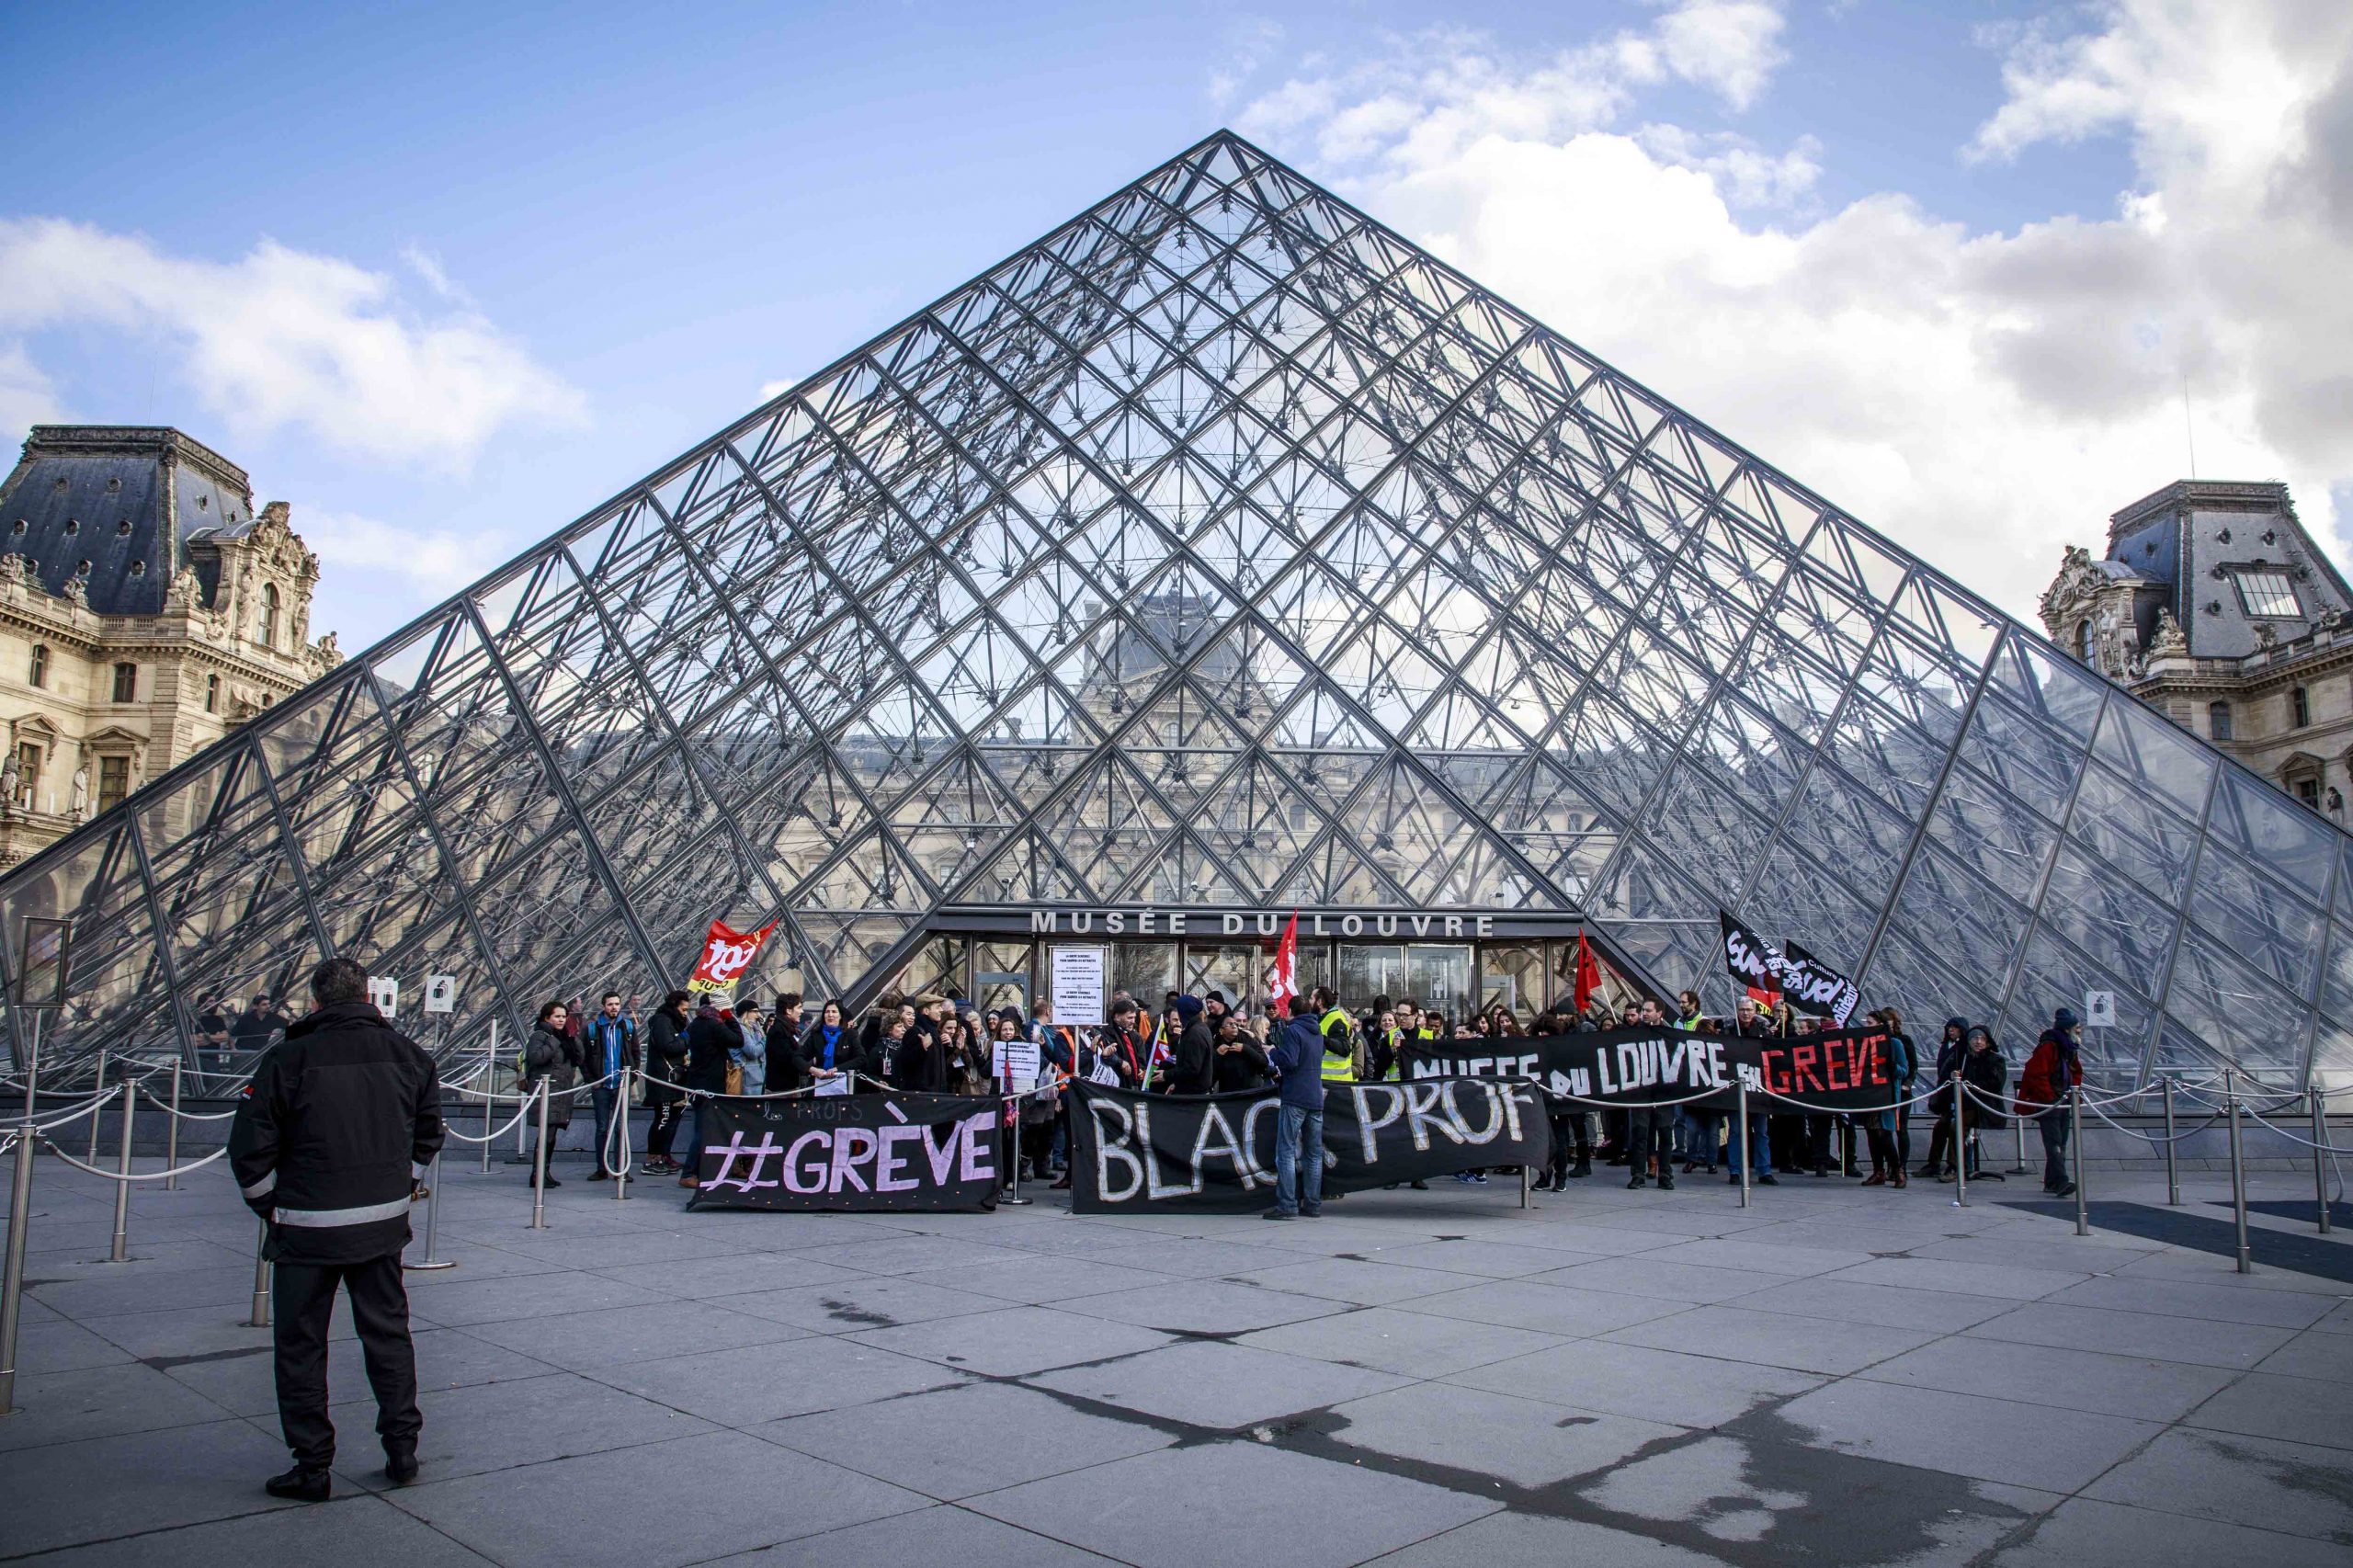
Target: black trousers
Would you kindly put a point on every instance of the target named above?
(303, 1299)
(662, 1130)
(1650, 1132)
(1569, 1137)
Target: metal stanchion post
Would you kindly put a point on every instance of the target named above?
(172, 1134)
(2173, 1164)
(32, 1064)
(261, 1280)
(12, 1281)
(120, 1251)
(2238, 1174)
(97, 1113)
(2320, 1171)
(2018, 1130)
(1959, 1141)
(1747, 1142)
(618, 1131)
(1523, 1186)
(540, 1166)
(490, 1091)
(2075, 1137)
(432, 1219)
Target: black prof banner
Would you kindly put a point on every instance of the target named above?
(1846, 1070)
(857, 1152)
(1218, 1151)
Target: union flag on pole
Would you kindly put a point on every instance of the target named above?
(1281, 975)
(726, 954)
(1588, 974)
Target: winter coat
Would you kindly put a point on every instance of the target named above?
(552, 1057)
(709, 1041)
(1986, 1074)
(1237, 1071)
(340, 1118)
(850, 1056)
(1298, 1056)
(1194, 1070)
(784, 1058)
(752, 1058)
(2040, 1085)
(593, 1046)
(666, 1047)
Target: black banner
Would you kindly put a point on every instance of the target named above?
(1138, 1151)
(1814, 987)
(1750, 958)
(868, 1152)
(1845, 1070)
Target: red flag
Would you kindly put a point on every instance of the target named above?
(1588, 973)
(1282, 975)
(726, 954)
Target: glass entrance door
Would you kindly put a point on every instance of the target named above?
(1231, 968)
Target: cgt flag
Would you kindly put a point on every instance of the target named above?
(1282, 983)
(726, 954)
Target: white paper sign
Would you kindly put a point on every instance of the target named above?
(385, 993)
(1104, 1072)
(838, 1085)
(1018, 1061)
(440, 993)
(2099, 1008)
(1075, 980)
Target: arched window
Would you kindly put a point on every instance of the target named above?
(40, 663)
(2218, 721)
(2300, 707)
(2083, 641)
(267, 634)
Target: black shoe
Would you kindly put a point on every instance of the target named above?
(1667, 1183)
(1315, 1214)
(600, 1176)
(1542, 1184)
(1766, 1180)
(302, 1485)
(1419, 1186)
(549, 1181)
(1278, 1214)
(2066, 1191)
(400, 1466)
(1633, 1182)
(1583, 1167)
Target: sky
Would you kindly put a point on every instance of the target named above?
(446, 276)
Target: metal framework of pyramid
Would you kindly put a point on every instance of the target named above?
(1221, 548)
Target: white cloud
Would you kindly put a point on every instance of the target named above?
(1981, 397)
(1250, 42)
(1731, 46)
(286, 340)
(26, 399)
(771, 390)
(358, 554)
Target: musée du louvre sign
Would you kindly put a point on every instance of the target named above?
(1217, 923)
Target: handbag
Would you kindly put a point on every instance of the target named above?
(734, 1077)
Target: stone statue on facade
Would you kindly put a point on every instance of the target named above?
(81, 789)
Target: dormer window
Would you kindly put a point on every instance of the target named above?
(203, 503)
(2084, 645)
(73, 527)
(266, 633)
(122, 527)
(2268, 595)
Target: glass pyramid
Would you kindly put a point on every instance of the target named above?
(1221, 548)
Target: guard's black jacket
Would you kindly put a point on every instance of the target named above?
(340, 1115)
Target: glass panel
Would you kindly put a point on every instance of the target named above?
(2054, 975)
(2234, 1010)
(2258, 916)
(2252, 816)
(2108, 918)
(2134, 833)
(1439, 976)
(1515, 977)
(2149, 751)
(1146, 970)
(1231, 969)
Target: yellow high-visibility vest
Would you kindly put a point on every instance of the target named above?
(1336, 1069)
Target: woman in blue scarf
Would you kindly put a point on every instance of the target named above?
(829, 1052)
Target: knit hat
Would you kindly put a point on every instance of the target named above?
(1188, 1007)
(2065, 1018)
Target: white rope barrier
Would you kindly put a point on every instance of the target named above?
(492, 1136)
(166, 1106)
(137, 1176)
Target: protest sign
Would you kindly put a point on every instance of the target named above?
(865, 1152)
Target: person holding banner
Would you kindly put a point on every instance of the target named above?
(1753, 1141)
(829, 1056)
(1299, 1126)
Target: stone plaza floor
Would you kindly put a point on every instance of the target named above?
(1836, 1375)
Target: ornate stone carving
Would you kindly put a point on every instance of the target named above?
(2168, 642)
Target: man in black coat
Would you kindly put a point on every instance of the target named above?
(341, 1117)
(708, 1039)
(1194, 1070)
(666, 1049)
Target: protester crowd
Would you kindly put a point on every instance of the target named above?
(937, 1042)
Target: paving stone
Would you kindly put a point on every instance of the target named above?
(1206, 1306)
(53, 1343)
(1494, 1261)
(2260, 1481)
(2083, 1533)
(1224, 1386)
(1774, 1340)
(2297, 1410)
(1649, 1276)
(614, 1334)
(938, 1534)
(1966, 1278)
(767, 1382)
(446, 1358)
(183, 1475)
(494, 1427)
(1526, 1442)
(2069, 1379)
(351, 1528)
(1890, 1306)
(848, 1305)
(2214, 1304)
(686, 1500)
(1033, 1278)
(1555, 1308)
(1356, 1281)
(958, 1442)
(100, 1402)
(1527, 1540)
(2317, 1354)
(1756, 1257)
(1630, 1379)
(1015, 1341)
(1150, 1510)
(1408, 1343)
(529, 1296)
(2201, 1343)
(1960, 1434)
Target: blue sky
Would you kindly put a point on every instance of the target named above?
(614, 225)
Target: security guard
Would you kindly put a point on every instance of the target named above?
(341, 1117)
(1340, 1037)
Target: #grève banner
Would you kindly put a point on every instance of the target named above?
(865, 1152)
(1841, 1069)
(1140, 1151)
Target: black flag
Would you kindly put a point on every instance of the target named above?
(1814, 987)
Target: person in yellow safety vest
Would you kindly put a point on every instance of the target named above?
(1340, 1037)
